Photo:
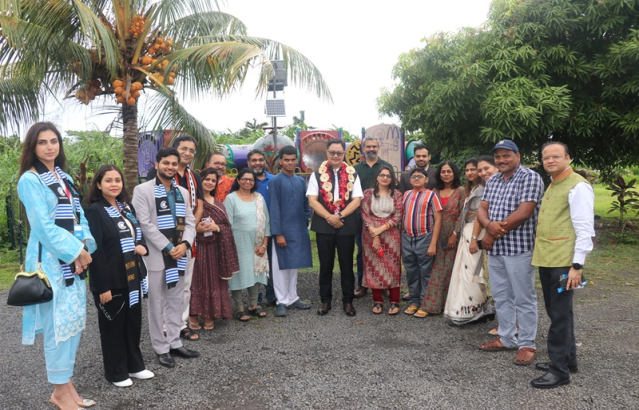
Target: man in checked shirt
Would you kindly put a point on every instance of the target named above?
(508, 211)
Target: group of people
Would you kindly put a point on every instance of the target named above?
(194, 242)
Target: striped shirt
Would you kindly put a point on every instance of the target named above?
(504, 197)
(419, 207)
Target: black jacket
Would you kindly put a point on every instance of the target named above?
(106, 271)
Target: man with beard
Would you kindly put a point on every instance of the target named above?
(257, 163)
(334, 193)
(191, 181)
(217, 161)
(367, 171)
(290, 213)
(422, 161)
(168, 226)
(508, 210)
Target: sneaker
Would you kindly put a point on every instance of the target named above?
(124, 383)
(143, 375)
(280, 311)
(299, 304)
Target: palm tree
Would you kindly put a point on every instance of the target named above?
(118, 50)
(254, 125)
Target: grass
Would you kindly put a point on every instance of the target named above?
(603, 200)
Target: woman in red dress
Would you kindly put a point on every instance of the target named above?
(216, 259)
(382, 213)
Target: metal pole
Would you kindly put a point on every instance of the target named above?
(274, 122)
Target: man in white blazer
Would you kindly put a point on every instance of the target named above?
(165, 302)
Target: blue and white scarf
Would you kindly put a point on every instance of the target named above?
(172, 228)
(67, 212)
(135, 269)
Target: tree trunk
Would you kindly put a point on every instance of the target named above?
(130, 142)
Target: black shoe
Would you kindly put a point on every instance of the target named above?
(166, 360)
(184, 353)
(360, 292)
(545, 366)
(349, 309)
(549, 381)
(324, 309)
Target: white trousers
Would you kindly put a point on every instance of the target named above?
(188, 278)
(284, 281)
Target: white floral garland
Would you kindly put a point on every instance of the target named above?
(328, 186)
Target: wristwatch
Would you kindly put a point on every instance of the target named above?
(474, 237)
(188, 245)
(340, 216)
(577, 266)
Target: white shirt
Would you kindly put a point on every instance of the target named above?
(313, 188)
(581, 199)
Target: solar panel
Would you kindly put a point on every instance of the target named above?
(275, 108)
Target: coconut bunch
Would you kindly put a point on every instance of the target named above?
(126, 91)
(137, 26)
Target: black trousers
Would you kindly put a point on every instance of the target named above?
(326, 245)
(562, 350)
(120, 331)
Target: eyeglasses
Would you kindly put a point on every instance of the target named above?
(185, 149)
(251, 180)
(335, 153)
(384, 176)
(554, 157)
(417, 176)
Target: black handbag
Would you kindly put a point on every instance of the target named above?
(30, 288)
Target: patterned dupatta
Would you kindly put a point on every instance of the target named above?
(135, 271)
(172, 229)
(67, 213)
(261, 262)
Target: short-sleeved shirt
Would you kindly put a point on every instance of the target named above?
(367, 173)
(313, 187)
(419, 208)
(504, 197)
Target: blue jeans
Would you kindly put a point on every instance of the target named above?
(512, 281)
(418, 265)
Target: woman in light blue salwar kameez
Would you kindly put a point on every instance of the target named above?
(61, 320)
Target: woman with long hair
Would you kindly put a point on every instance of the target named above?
(117, 276)
(467, 300)
(451, 195)
(60, 240)
(251, 227)
(382, 213)
(216, 259)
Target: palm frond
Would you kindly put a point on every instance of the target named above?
(173, 10)
(19, 102)
(100, 37)
(205, 24)
(172, 115)
(235, 48)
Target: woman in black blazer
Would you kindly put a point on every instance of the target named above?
(117, 276)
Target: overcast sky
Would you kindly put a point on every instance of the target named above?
(354, 43)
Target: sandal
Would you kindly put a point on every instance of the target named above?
(241, 316)
(209, 325)
(421, 313)
(189, 334)
(411, 310)
(394, 309)
(257, 312)
(195, 325)
(377, 308)
(525, 356)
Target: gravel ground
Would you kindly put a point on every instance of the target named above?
(369, 361)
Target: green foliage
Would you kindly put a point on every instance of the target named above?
(10, 151)
(627, 199)
(536, 70)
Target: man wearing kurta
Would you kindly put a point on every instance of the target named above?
(564, 238)
(290, 213)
